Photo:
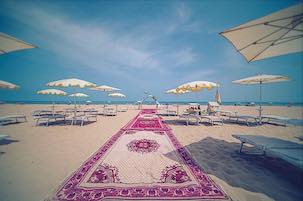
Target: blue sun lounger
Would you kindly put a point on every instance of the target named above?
(289, 151)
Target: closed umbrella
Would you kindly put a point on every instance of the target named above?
(218, 97)
(10, 44)
(273, 35)
(261, 79)
(56, 92)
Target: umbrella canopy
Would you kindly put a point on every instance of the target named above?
(174, 91)
(261, 79)
(73, 82)
(52, 92)
(196, 86)
(78, 95)
(117, 95)
(8, 85)
(273, 35)
(10, 44)
(105, 88)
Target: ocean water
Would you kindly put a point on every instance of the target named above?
(162, 102)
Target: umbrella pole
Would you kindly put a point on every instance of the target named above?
(75, 107)
(53, 108)
(260, 103)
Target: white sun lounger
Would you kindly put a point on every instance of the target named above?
(289, 151)
(49, 117)
(187, 118)
(12, 119)
(212, 119)
(3, 137)
(275, 119)
(247, 119)
(171, 112)
(108, 111)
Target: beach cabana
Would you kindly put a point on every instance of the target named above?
(10, 44)
(273, 35)
(261, 79)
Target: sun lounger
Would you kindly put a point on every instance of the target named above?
(12, 119)
(275, 119)
(289, 151)
(212, 119)
(3, 137)
(188, 117)
(50, 117)
(41, 112)
(84, 117)
(109, 111)
(171, 113)
(247, 119)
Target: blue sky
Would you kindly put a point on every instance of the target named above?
(138, 46)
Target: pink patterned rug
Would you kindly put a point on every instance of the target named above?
(133, 165)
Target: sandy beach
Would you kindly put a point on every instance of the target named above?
(36, 159)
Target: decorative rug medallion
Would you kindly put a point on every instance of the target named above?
(143, 146)
(140, 164)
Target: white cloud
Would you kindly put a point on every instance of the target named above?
(94, 45)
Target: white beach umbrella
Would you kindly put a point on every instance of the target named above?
(273, 35)
(78, 95)
(56, 92)
(10, 44)
(73, 82)
(52, 92)
(8, 85)
(119, 95)
(196, 86)
(105, 88)
(174, 91)
(261, 79)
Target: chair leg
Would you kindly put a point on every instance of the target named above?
(241, 147)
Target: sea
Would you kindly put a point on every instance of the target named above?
(161, 102)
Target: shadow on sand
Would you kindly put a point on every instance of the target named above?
(64, 123)
(271, 176)
(7, 141)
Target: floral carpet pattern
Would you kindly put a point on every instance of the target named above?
(143, 161)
